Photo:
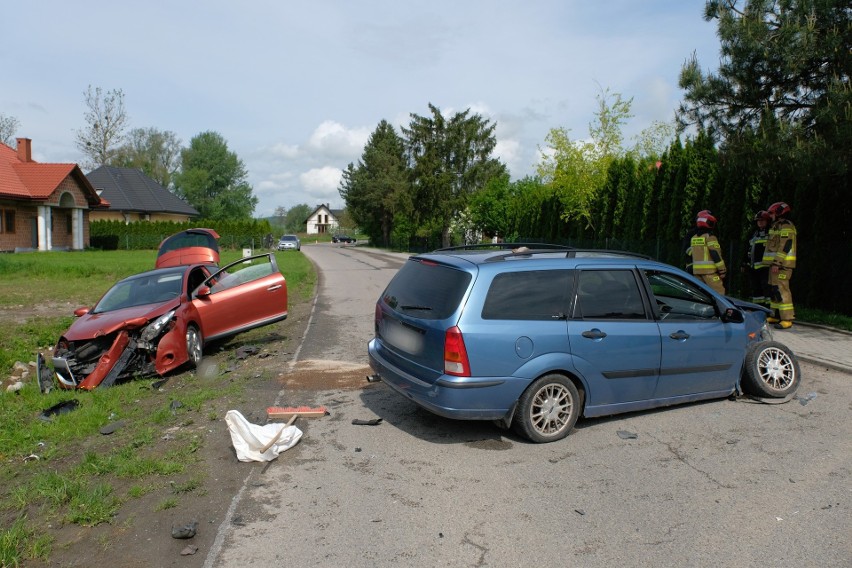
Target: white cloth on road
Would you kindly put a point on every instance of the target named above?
(249, 439)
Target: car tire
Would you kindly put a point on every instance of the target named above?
(548, 409)
(194, 345)
(771, 370)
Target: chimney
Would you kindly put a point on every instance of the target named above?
(25, 149)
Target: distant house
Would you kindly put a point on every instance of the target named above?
(323, 220)
(43, 206)
(133, 196)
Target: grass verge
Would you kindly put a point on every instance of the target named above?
(61, 470)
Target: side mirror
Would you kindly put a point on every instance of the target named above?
(202, 292)
(80, 312)
(732, 315)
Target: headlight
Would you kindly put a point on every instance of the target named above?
(153, 329)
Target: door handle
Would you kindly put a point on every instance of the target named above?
(594, 334)
(273, 288)
(679, 335)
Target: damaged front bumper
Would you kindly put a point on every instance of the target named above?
(132, 352)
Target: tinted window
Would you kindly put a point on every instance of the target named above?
(188, 239)
(609, 294)
(532, 295)
(426, 290)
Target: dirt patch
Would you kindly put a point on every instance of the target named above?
(325, 375)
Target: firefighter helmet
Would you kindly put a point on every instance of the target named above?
(705, 219)
(764, 215)
(778, 209)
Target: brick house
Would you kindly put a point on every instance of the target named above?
(133, 196)
(43, 206)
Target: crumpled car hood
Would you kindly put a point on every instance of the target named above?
(92, 325)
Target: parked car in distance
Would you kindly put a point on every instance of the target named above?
(159, 320)
(537, 336)
(342, 239)
(289, 242)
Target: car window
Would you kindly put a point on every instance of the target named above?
(529, 295)
(241, 272)
(149, 288)
(426, 289)
(677, 298)
(609, 294)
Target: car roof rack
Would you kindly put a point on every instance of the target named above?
(529, 249)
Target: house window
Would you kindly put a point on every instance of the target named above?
(69, 223)
(7, 221)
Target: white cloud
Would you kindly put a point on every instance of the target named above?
(333, 139)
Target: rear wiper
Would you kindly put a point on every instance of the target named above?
(407, 307)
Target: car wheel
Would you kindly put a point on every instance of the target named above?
(194, 345)
(548, 409)
(772, 370)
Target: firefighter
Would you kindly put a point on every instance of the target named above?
(757, 269)
(780, 256)
(703, 247)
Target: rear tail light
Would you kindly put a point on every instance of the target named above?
(378, 319)
(455, 354)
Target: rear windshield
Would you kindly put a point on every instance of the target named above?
(426, 290)
(186, 239)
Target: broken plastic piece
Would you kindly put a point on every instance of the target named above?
(110, 428)
(625, 435)
(371, 422)
(59, 408)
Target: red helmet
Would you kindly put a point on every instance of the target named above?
(762, 215)
(778, 209)
(705, 219)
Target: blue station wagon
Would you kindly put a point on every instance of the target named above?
(536, 336)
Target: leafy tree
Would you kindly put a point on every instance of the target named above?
(378, 189)
(450, 160)
(488, 209)
(8, 126)
(213, 179)
(294, 220)
(578, 169)
(155, 152)
(106, 121)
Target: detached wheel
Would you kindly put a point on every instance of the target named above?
(772, 370)
(548, 409)
(194, 345)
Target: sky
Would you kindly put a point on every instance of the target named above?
(296, 87)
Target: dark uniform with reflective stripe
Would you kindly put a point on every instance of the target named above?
(758, 270)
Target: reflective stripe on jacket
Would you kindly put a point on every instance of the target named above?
(757, 249)
(781, 245)
(706, 254)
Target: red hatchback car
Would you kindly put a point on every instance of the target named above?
(156, 321)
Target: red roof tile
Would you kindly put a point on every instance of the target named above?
(35, 180)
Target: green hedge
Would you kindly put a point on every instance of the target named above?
(113, 235)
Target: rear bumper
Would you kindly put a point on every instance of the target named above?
(463, 398)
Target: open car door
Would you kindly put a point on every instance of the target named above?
(248, 293)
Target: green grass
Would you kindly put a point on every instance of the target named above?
(75, 475)
(821, 317)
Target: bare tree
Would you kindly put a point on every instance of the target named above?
(8, 126)
(106, 121)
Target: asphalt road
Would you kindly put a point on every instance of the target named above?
(724, 483)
